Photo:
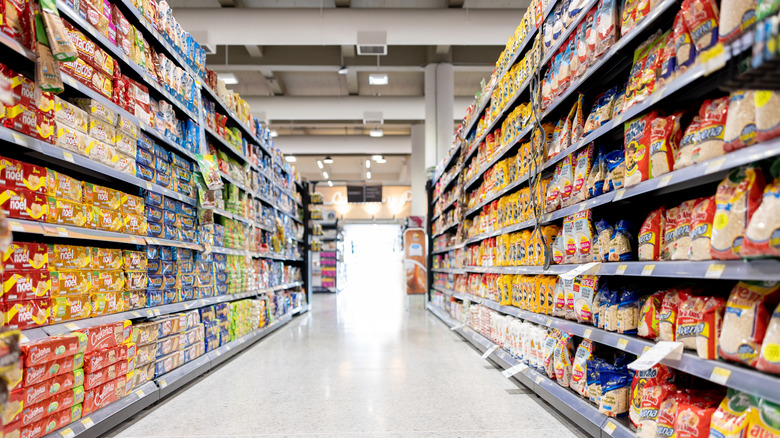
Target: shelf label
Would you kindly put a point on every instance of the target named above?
(163, 383)
(720, 375)
(622, 343)
(148, 186)
(619, 195)
(621, 269)
(587, 333)
(610, 427)
(87, 422)
(140, 393)
(661, 351)
(67, 433)
(539, 380)
(18, 139)
(715, 270)
(646, 349)
(156, 312)
(135, 314)
(489, 351)
(16, 226)
(62, 232)
(715, 166)
(71, 326)
(67, 156)
(72, 82)
(23, 338)
(648, 270)
(618, 120)
(664, 181)
(457, 327)
(519, 368)
(579, 270)
(658, 95)
(549, 322)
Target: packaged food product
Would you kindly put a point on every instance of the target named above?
(649, 406)
(99, 359)
(584, 298)
(736, 17)
(689, 314)
(25, 256)
(25, 285)
(682, 231)
(71, 283)
(23, 204)
(104, 395)
(730, 419)
(701, 18)
(616, 165)
(667, 319)
(606, 25)
(709, 328)
(767, 115)
(702, 217)
(628, 312)
(583, 235)
(52, 348)
(665, 136)
(65, 257)
(67, 213)
(761, 235)
(57, 403)
(39, 392)
(650, 235)
(579, 371)
(620, 246)
(693, 419)
(562, 357)
(688, 142)
(654, 376)
(761, 417)
(549, 343)
(709, 141)
(38, 373)
(615, 387)
(69, 308)
(106, 259)
(737, 198)
(740, 128)
(71, 138)
(649, 311)
(106, 374)
(745, 321)
(107, 220)
(584, 162)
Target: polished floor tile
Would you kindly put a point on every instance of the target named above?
(368, 362)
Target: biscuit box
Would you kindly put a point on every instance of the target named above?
(136, 280)
(192, 337)
(108, 281)
(71, 282)
(70, 308)
(145, 333)
(23, 204)
(154, 297)
(53, 348)
(71, 139)
(64, 212)
(145, 354)
(132, 204)
(70, 115)
(134, 260)
(135, 224)
(25, 285)
(102, 358)
(69, 257)
(124, 164)
(62, 186)
(26, 314)
(104, 303)
(194, 351)
(134, 299)
(39, 392)
(33, 178)
(167, 346)
(170, 296)
(39, 373)
(101, 131)
(100, 151)
(25, 256)
(107, 374)
(52, 422)
(10, 172)
(168, 363)
(54, 404)
(103, 197)
(105, 259)
(104, 395)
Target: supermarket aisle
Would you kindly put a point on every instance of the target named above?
(361, 364)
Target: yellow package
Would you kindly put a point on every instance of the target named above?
(105, 259)
(107, 220)
(134, 224)
(103, 197)
(108, 281)
(525, 240)
(105, 303)
(762, 418)
(71, 283)
(132, 204)
(516, 280)
(551, 282)
(69, 308)
(69, 257)
(63, 187)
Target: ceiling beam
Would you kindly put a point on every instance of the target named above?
(352, 82)
(340, 26)
(456, 3)
(352, 145)
(254, 51)
(343, 3)
(335, 68)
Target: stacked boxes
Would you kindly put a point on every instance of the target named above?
(51, 390)
(240, 319)
(144, 336)
(172, 277)
(22, 190)
(221, 268)
(168, 169)
(170, 219)
(135, 264)
(32, 112)
(166, 351)
(25, 285)
(108, 364)
(204, 274)
(167, 343)
(216, 324)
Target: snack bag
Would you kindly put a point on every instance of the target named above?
(737, 198)
(740, 129)
(701, 18)
(579, 371)
(761, 235)
(747, 316)
(701, 228)
(628, 312)
(210, 172)
(650, 235)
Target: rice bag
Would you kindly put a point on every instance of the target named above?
(606, 21)
(548, 352)
(701, 19)
(682, 231)
(740, 129)
(693, 419)
(583, 234)
(685, 50)
(761, 418)
(665, 136)
(709, 139)
(637, 141)
(709, 327)
(762, 236)
(553, 201)
(667, 414)
(570, 241)
(736, 16)
(746, 319)
(767, 108)
(667, 319)
(769, 359)
(650, 236)
(737, 198)
(671, 216)
(701, 228)
(565, 180)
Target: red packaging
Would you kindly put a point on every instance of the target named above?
(39, 373)
(23, 204)
(99, 20)
(10, 172)
(90, 52)
(652, 397)
(650, 236)
(53, 348)
(104, 395)
(13, 408)
(701, 19)
(25, 256)
(138, 97)
(103, 358)
(665, 135)
(107, 335)
(125, 35)
(667, 413)
(41, 391)
(26, 314)
(34, 177)
(57, 403)
(656, 375)
(637, 149)
(693, 421)
(89, 76)
(51, 423)
(25, 285)
(16, 20)
(111, 372)
(23, 90)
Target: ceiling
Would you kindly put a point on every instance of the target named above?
(286, 56)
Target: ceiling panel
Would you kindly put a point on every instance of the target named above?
(496, 4)
(314, 84)
(399, 84)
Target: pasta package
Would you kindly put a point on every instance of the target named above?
(737, 198)
(701, 228)
(762, 236)
(637, 142)
(746, 319)
(621, 247)
(650, 235)
(579, 371)
(628, 312)
(583, 235)
(740, 129)
(584, 297)
(562, 360)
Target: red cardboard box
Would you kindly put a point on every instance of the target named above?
(25, 285)
(107, 335)
(103, 358)
(48, 388)
(51, 405)
(53, 348)
(26, 256)
(107, 374)
(104, 395)
(39, 373)
(26, 314)
(52, 422)
(89, 76)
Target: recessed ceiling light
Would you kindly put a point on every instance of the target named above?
(368, 175)
(325, 174)
(330, 183)
(290, 158)
(319, 164)
(382, 161)
(377, 79)
(377, 157)
(273, 133)
(343, 70)
(328, 160)
(376, 133)
(368, 164)
(228, 78)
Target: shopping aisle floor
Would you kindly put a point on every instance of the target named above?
(367, 362)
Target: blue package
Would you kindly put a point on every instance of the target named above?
(222, 310)
(206, 291)
(167, 267)
(203, 257)
(144, 142)
(185, 267)
(181, 175)
(154, 229)
(186, 209)
(156, 281)
(186, 235)
(154, 267)
(220, 277)
(179, 161)
(185, 280)
(222, 289)
(169, 281)
(163, 180)
(186, 293)
(169, 205)
(162, 167)
(169, 296)
(206, 239)
(204, 267)
(169, 218)
(153, 199)
(144, 172)
(185, 222)
(203, 280)
(154, 214)
(207, 314)
(144, 157)
(166, 253)
(182, 254)
(220, 266)
(161, 153)
(170, 232)
(154, 297)
(220, 257)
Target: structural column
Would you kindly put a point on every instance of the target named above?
(439, 100)
(418, 171)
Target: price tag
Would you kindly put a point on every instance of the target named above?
(582, 206)
(72, 82)
(67, 433)
(519, 368)
(217, 353)
(619, 195)
(720, 375)
(148, 186)
(661, 351)
(163, 383)
(156, 312)
(646, 349)
(715, 270)
(227, 347)
(622, 343)
(621, 269)
(87, 422)
(71, 326)
(715, 165)
(579, 270)
(18, 139)
(16, 226)
(140, 393)
(587, 333)
(135, 314)
(658, 95)
(539, 380)
(457, 327)
(62, 232)
(648, 270)
(664, 181)
(618, 120)
(549, 322)
(610, 427)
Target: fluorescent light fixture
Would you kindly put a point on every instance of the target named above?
(290, 158)
(382, 161)
(377, 157)
(330, 183)
(377, 79)
(376, 133)
(368, 164)
(325, 174)
(343, 70)
(273, 133)
(328, 160)
(319, 164)
(228, 78)
(368, 175)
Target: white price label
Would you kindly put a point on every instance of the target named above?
(519, 368)
(610, 427)
(87, 422)
(715, 165)
(661, 351)
(18, 139)
(457, 327)
(71, 326)
(648, 270)
(72, 82)
(135, 314)
(664, 181)
(489, 351)
(715, 270)
(62, 232)
(163, 383)
(619, 195)
(587, 333)
(140, 393)
(622, 344)
(621, 269)
(720, 375)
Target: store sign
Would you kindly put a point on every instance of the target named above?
(358, 194)
(374, 193)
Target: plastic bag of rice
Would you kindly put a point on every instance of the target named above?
(665, 136)
(767, 104)
(769, 360)
(693, 418)
(730, 419)
(562, 358)
(701, 18)
(709, 328)
(736, 16)
(649, 405)
(667, 414)
(615, 392)
(709, 141)
(548, 352)
(649, 311)
(682, 231)
(671, 215)
(579, 368)
(701, 228)
(737, 198)
(667, 319)
(628, 312)
(690, 138)
(762, 236)
(741, 120)
(689, 314)
(656, 375)
(650, 235)
(748, 311)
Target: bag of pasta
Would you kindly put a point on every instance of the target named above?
(737, 198)
(615, 392)
(761, 235)
(748, 312)
(562, 358)
(604, 231)
(548, 352)
(594, 380)
(579, 369)
(730, 419)
(628, 312)
(621, 247)
(610, 302)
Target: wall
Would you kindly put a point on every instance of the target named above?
(396, 203)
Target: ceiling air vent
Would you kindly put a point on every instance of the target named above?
(373, 118)
(371, 43)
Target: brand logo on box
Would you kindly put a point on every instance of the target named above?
(39, 354)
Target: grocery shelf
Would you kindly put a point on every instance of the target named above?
(448, 248)
(446, 185)
(449, 270)
(562, 39)
(508, 229)
(171, 381)
(176, 243)
(57, 155)
(447, 228)
(490, 198)
(229, 112)
(228, 147)
(232, 348)
(159, 138)
(71, 82)
(581, 206)
(453, 153)
(571, 405)
(735, 376)
(68, 231)
(446, 207)
(103, 420)
(16, 46)
(497, 156)
(443, 290)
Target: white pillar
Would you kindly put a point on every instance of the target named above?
(418, 163)
(439, 101)
(430, 115)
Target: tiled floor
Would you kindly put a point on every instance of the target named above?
(367, 362)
